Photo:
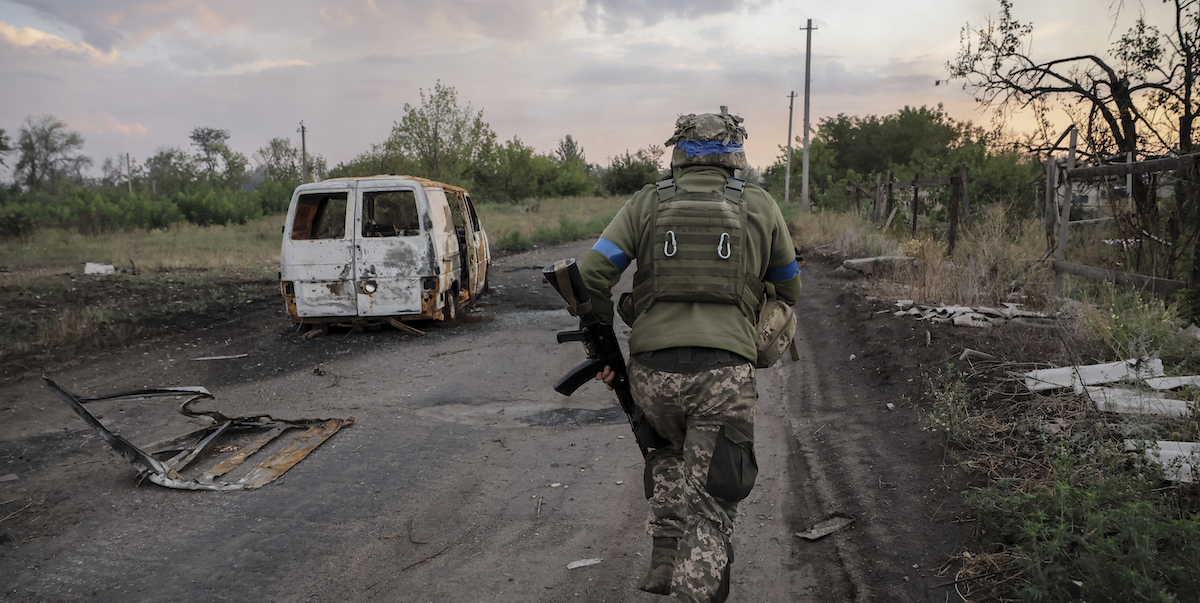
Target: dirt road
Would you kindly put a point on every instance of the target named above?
(465, 477)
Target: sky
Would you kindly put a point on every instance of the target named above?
(134, 76)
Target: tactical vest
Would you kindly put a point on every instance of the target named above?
(699, 251)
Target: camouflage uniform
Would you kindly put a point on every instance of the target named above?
(694, 411)
(689, 370)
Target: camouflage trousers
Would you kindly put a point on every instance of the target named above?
(694, 483)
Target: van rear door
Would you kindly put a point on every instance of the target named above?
(391, 249)
(317, 253)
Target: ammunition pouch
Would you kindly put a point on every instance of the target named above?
(733, 469)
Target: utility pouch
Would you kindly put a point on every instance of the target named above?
(774, 333)
(625, 308)
(645, 433)
(733, 469)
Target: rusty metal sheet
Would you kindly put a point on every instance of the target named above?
(164, 463)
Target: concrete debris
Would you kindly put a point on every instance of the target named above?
(1138, 402)
(584, 563)
(965, 316)
(11, 477)
(1161, 383)
(1093, 374)
(94, 268)
(869, 266)
(1180, 460)
(826, 527)
(969, 354)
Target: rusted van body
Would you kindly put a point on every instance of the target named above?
(363, 250)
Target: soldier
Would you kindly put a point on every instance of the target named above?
(707, 246)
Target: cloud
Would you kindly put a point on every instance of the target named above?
(619, 15)
(40, 42)
(203, 56)
(120, 24)
(103, 122)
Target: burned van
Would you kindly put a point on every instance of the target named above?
(366, 250)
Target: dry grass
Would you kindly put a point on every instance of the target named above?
(844, 233)
(992, 264)
(251, 245)
(526, 217)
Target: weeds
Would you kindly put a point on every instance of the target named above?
(549, 221)
(950, 415)
(255, 244)
(1065, 512)
(1132, 325)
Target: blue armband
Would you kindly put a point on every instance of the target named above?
(782, 273)
(614, 254)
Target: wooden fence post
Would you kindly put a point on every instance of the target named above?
(877, 206)
(1064, 218)
(956, 187)
(1049, 207)
(916, 207)
(887, 199)
(966, 199)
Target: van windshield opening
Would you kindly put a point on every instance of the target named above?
(320, 216)
(390, 214)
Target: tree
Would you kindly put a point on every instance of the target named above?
(48, 153)
(5, 145)
(1141, 99)
(629, 172)
(519, 173)
(573, 178)
(281, 162)
(211, 143)
(445, 141)
(222, 165)
(171, 170)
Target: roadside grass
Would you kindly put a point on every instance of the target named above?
(992, 261)
(518, 227)
(188, 272)
(231, 247)
(1064, 512)
(165, 277)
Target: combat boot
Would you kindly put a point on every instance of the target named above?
(662, 567)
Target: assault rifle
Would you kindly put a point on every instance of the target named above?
(602, 349)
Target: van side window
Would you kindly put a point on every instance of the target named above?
(320, 216)
(390, 214)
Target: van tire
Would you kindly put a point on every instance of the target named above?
(449, 307)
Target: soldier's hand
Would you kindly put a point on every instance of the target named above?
(607, 376)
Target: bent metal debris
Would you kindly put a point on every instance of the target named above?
(227, 441)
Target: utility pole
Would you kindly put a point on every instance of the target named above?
(787, 178)
(303, 153)
(129, 171)
(805, 205)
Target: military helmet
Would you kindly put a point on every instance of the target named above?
(709, 139)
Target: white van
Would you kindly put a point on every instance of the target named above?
(366, 250)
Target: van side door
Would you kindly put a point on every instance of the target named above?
(475, 264)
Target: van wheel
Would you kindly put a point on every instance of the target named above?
(449, 307)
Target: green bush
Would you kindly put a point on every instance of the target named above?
(1099, 532)
(514, 242)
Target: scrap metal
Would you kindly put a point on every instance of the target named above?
(165, 461)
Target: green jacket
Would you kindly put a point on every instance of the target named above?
(679, 324)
